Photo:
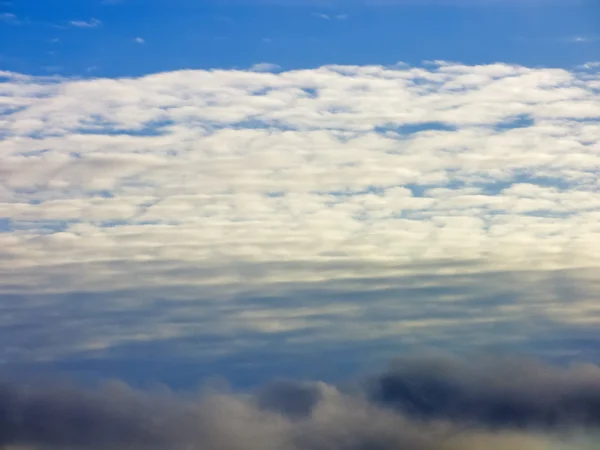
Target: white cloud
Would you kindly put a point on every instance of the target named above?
(230, 181)
(318, 134)
(92, 23)
(139, 40)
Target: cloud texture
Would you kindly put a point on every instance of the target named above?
(316, 416)
(217, 212)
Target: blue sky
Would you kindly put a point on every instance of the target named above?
(95, 37)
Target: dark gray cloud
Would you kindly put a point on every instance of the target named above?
(436, 404)
(495, 392)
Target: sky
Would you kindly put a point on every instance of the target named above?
(301, 224)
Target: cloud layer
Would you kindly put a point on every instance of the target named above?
(313, 416)
(245, 206)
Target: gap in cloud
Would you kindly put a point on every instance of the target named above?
(311, 92)
(413, 128)
(103, 194)
(98, 126)
(5, 225)
(522, 177)
(43, 227)
(377, 190)
(256, 124)
(514, 122)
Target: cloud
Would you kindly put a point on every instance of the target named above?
(348, 205)
(10, 19)
(265, 67)
(92, 23)
(139, 40)
(499, 393)
(330, 17)
(311, 416)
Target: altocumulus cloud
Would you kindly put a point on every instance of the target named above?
(349, 163)
(419, 404)
(163, 200)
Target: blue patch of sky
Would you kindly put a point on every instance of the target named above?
(311, 92)
(103, 194)
(102, 127)
(8, 110)
(549, 214)
(43, 227)
(413, 128)
(5, 225)
(119, 223)
(515, 122)
(250, 124)
(263, 91)
(522, 177)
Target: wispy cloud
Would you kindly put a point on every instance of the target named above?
(330, 16)
(139, 40)
(582, 39)
(590, 65)
(53, 69)
(265, 67)
(10, 18)
(576, 39)
(92, 23)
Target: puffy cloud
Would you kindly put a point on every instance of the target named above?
(303, 415)
(332, 159)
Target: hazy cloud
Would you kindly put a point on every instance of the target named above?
(265, 67)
